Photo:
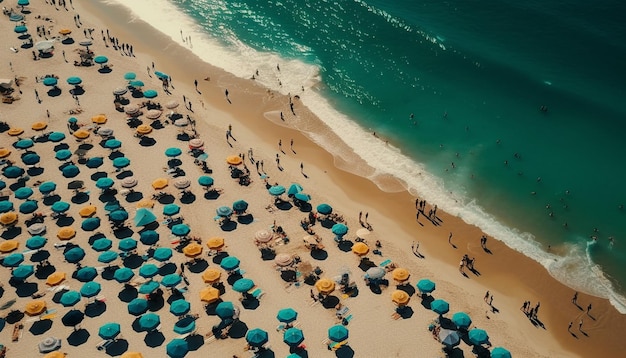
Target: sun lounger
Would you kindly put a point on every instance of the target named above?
(103, 344)
(257, 293)
(17, 332)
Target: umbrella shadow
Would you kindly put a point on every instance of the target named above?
(301, 352)
(305, 207)
(209, 308)
(133, 261)
(211, 195)
(117, 347)
(105, 70)
(229, 225)
(330, 301)
(42, 272)
(319, 254)
(80, 198)
(54, 92)
(57, 296)
(128, 294)
(166, 199)
(167, 269)
(51, 199)
(35, 171)
(245, 219)
(136, 326)
(265, 353)
(217, 259)
(344, 352)
(14, 316)
(154, 339)
(198, 266)
(188, 197)
(64, 221)
(25, 289)
(284, 205)
(109, 272)
(156, 303)
(67, 41)
(233, 278)
(238, 330)
(95, 309)
(147, 141)
(410, 290)
(194, 341)
(267, 254)
(11, 233)
(427, 300)
(405, 312)
(250, 303)
(40, 327)
(327, 223)
(78, 337)
(97, 175)
(39, 256)
(134, 197)
(123, 232)
(345, 245)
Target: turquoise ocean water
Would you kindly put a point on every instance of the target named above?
(474, 74)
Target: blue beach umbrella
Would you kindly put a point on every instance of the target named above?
(13, 260)
(324, 209)
(86, 274)
(180, 307)
(107, 257)
(225, 309)
(24, 143)
(123, 274)
(20, 29)
(149, 287)
(243, 285)
(72, 120)
(287, 315)
(177, 348)
(90, 289)
(440, 306)
(70, 171)
(449, 338)
(181, 229)
(224, 211)
(74, 80)
(149, 321)
(148, 270)
(144, 216)
(16, 17)
(111, 206)
(36, 242)
(462, 320)
(185, 325)
(171, 209)
(100, 60)
(70, 298)
(23, 193)
(239, 205)
(161, 75)
(28, 207)
(2, 184)
(121, 162)
(162, 254)
(293, 336)
(257, 337)
(94, 162)
(60, 206)
(338, 333)
(426, 285)
(23, 272)
(56, 136)
(50, 81)
(118, 215)
(229, 263)
(5, 206)
(90, 224)
(104, 183)
(499, 352)
(63, 154)
(23, 3)
(31, 159)
(74, 255)
(205, 180)
(112, 144)
(47, 187)
(127, 244)
(138, 306)
(173, 152)
(277, 190)
(149, 237)
(302, 197)
(12, 172)
(339, 229)
(102, 244)
(171, 280)
(129, 76)
(150, 93)
(109, 330)
(294, 188)
(478, 336)
(137, 83)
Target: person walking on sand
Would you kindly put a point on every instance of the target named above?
(291, 146)
(580, 325)
(588, 308)
(486, 296)
(450, 238)
(569, 328)
(280, 145)
(575, 298)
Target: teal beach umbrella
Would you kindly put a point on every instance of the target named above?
(144, 216)
(149, 237)
(63, 154)
(123, 274)
(109, 330)
(60, 206)
(293, 336)
(229, 263)
(257, 337)
(171, 280)
(148, 270)
(74, 255)
(28, 207)
(426, 286)
(90, 289)
(162, 254)
(243, 285)
(149, 321)
(90, 224)
(102, 244)
(180, 307)
(177, 348)
(499, 352)
(70, 298)
(287, 315)
(36, 242)
(338, 333)
(86, 274)
(107, 257)
(138, 306)
(104, 183)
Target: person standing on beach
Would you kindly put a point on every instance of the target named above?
(450, 238)
(588, 308)
(580, 325)
(280, 145)
(486, 296)
(575, 298)
(569, 328)
(291, 146)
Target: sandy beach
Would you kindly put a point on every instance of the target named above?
(252, 115)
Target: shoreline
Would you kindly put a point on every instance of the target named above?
(351, 194)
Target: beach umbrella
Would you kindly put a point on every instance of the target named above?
(23, 193)
(325, 285)
(50, 81)
(22, 272)
(171, 280)
(234, 160)
(215, 243)
(36, 242)
(287, 315)
(120, 91)
(50, 344)
(159, 183)
(15, 131)
(129, 182)
(4, 152)
(70, 298)
(109, 330)
(171, 105)
(12, 172)
(449, 337)
(400, 297)
(162, 254)
(13, 260)
(173, 152)
(102, 244)
(360, 248)
(87, 211)
(229, 263)
(90, 224)
(192, 250)
(47, 187)
(294, 188)
(70, 171)
(225, 309)
(339, 229)
(60, 206)
(177, 348)
(118, 215)
(150, 93)
(302, 197)
(66, 233)
(277, 190)
(239, 205)
(283, 259)
(3, 184)
(130, 76)
(55, 278)
(35, 307)
(86, 43)
(195, 143)
(28, 206)
(499, 352)
(127, 244)
(400, 274)
(104, 183)
(56, 137)
(90, 289)
(81, 134)
(148, 270)
(94, 162)
(144, 216)
(5, 206)
(205, 181)
(123, 274)
(149, 237)
(137, 306)
(209, 294)
(257, 337)
(338, 333)
(72, 318)
(425, 285)
(16, 17)
(149, 321)
(161, 75)
(107, 257)
(149, 287)
(112, 144)
(171, 209)
(39, 126)
(8, 218)
(263, 235)
(121, 162)
(211, 275)
(24, 143)
(185, 325)
(293, 336)
(44, 46)
(478, 336)
(9, 245)
(100, 60)
(99, 119)
(224, 211)
(86, 274)
(137, 83)
(440, 306)
(74, 255)
(180, 307)
(63, 154)
(20, 29)
(375, 272)
(181, 229)
(112, 206)
(31, 159)
(74, 80)
(72, 120)
(243, 285)
(182, 183)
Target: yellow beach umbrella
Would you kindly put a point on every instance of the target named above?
(145, 203)
(99, 119)
(209, 294)
(211, 275)
(215, 243)
(87, 211)
(65, 31)
(192, 250)
(143, 129)
(35, 307)
(39, 126)
(81, 134)
(15, 131)
(55, 278)
(234, 160)
(8, 218)
(325, 285)
(400, 274)
(360, 248)
(400, 297)
(159, 183)
(4, 152)
(66, 233)
(132, 355)
(55, 354)
(9, 245)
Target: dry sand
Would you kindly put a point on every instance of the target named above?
(508, 275)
